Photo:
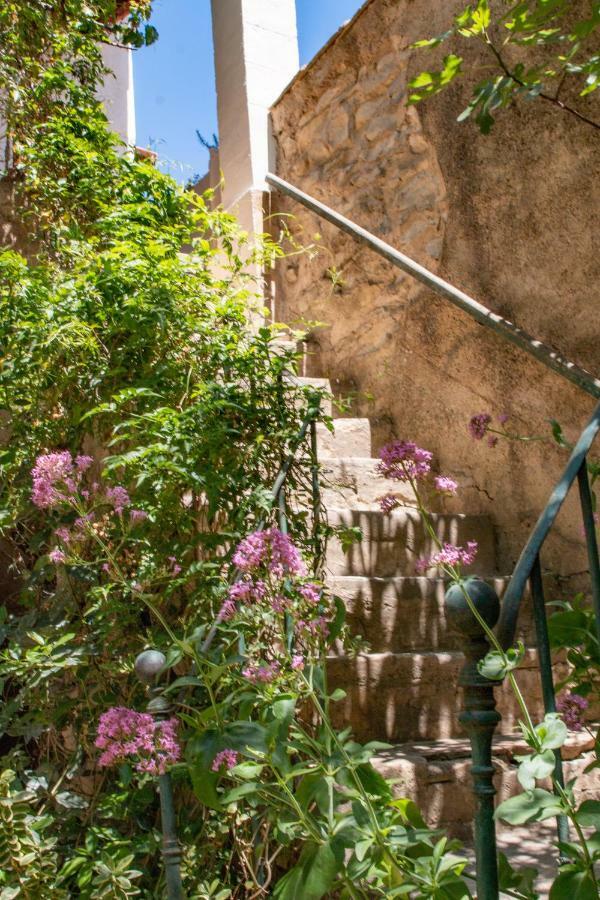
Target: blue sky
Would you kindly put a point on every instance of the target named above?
(174, 79)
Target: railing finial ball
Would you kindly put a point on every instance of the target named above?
(148, 665)
(484, 598)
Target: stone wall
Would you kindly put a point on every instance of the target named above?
(510, 218)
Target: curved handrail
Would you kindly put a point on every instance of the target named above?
(540, 351)
(507, 623)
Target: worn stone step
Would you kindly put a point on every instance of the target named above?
(350, 437)
(321, 384)
(392, 544)
(436, 775)
(401, 614)
(401, 697)
(354, 480)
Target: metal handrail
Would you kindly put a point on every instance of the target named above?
(540, 351)
(512, 598)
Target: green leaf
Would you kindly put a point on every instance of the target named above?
(531, 806)
(534, 767)
(588, 814)
(552, 732)
(574, 885)
(497, 665)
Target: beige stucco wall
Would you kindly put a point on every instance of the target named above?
(510, 218)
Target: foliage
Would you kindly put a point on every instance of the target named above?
(536, 49)
(573, 628)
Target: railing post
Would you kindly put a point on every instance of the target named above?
(148, 665)
(479, 719)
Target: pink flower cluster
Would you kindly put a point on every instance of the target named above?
(404, 461)
(262, 674)
(56, 477)
(479, 424)
(125, 734)
(571, 707)
(225, 759)
(270, 548)
(449, 555)
(445, 485)
(118, 497)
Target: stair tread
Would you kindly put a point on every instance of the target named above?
(503, 745)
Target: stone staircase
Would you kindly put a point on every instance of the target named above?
(404, 689)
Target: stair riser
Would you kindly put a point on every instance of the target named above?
(405, 614)
(442, 789)
(408, 697)
(352, 481)
(392, 544)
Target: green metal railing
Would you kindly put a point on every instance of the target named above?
(480, 717)
(150, 664)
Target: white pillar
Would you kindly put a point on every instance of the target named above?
(256, 56)
(116, 91)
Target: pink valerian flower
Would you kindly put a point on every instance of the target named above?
(449, 555)
(82, 522)
(479, 424)
(227, 611)
(316, 627)
(445, 485)
(404, 461)
(55, 479)
(225, 759)
(137, 515)
(388, 503)
(247, 591)
(279, 604)
(127, 735)
(63, 534)
(298, 662)
(83, 462)
(270, 548)
(175, 567)
(571, 707)
(311, 592)
(57, 556)
(262, 674)
(118, 496)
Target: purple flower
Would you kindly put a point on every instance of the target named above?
(479, 425)
(225, 758)
(125, 734)
(227, 611)
(445, 485)
(64, 534)
(262, 674)
(571, 707)
(83, 462)
(270, 548)
(54, 479)
(388, 503)
(57, 556)
(119, 498)
(492, 441)
(404, 461)
(297, 662)
(311, 592)
(247, 591)
(449, 555)
(137, 515)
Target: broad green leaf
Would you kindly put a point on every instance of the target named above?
(530, 806)
(574, 885)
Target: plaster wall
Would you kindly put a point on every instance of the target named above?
(510, 218)
(116, 92)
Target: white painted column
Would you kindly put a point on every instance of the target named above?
(116, 91)
(256, 56)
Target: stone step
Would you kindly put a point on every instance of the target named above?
(400, 697)
(354, 480)
(350, 437)
(401, 614)
(321, 384)
(436, 775)
(392, 544)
